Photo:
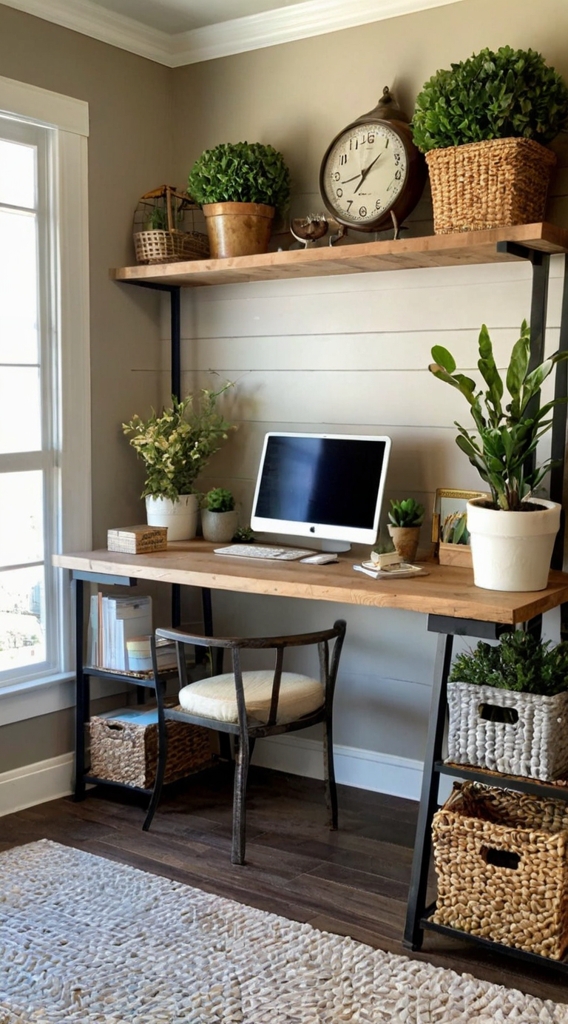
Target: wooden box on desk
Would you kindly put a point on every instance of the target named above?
(138, 540)
(454, 554)
(124, 747)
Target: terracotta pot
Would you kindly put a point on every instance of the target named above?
(238, 229)
(405, 540)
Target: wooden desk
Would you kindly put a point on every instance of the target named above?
(447, 591)
(454, 606)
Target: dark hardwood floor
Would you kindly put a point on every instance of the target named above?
(352, 882)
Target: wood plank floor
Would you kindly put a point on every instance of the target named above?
(352, 882)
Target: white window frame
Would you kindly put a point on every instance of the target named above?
(70, 118)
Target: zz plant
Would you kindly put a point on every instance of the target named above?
(498, 94)
(507, 431)
(519, 662)
(241, 172)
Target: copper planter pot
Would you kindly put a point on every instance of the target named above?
(238, 229)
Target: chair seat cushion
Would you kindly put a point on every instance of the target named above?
(216, 698)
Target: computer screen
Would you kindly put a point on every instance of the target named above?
(323, 486)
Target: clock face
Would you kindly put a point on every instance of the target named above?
(363, 173)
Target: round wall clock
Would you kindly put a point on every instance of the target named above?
(372, 174)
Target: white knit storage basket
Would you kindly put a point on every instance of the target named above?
(536, 745)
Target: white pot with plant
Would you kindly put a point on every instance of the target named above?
(240, 186)
(219, 518)
(512, 531)
(405, 519)
(175, 446)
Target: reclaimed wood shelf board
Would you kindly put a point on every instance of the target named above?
(463, 249)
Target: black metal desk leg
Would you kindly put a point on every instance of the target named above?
(81, 693)
(413, 933)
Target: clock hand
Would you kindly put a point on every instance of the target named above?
(351, 179)
(365, 172)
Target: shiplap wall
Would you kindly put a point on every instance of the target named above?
(350, 354)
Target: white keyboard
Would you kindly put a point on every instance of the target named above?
(258, 551)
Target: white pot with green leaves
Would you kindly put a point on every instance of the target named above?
(512, 530)
(219, 518)
(175, 446)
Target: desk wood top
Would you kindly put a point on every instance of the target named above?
(447, 590)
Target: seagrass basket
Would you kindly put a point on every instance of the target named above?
(502, 867)
(163, 228)
(510, 732)
(126, 750)
(489, 184)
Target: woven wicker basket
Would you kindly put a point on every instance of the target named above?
(123, 751)
(161, 228)
(502, 868)
(481, 732)
(489, 184)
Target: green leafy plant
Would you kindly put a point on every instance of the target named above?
(218, 499)
(454, 529)
(507, 435)
(407, 512)
(241, 172)
(491, 95)
(177, 444)
(519, 662)
(244, 535)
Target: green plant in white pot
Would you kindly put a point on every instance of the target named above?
(512, 532)
(175, 446)
(219, 518)
(240, 187)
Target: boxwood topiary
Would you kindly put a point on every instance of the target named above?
(241, 172)
(491, 95)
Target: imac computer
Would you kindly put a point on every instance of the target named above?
(325, 487)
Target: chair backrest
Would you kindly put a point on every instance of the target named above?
(328, 659)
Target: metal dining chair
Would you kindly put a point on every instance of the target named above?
(250, 704)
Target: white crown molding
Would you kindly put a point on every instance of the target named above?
(299, 21)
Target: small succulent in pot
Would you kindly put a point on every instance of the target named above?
(405, 513)
(218, 499)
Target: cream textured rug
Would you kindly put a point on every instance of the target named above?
(85, 940)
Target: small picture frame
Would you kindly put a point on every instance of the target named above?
(449, 531)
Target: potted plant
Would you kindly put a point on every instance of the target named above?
(511, 533)
(219, 518)
(508, 707)
(484, 125)
(175, 446)
(405, 519)
(240, 186)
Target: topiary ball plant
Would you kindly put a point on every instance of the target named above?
(241, 172)
(492, 95)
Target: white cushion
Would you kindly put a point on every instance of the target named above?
(216, 697)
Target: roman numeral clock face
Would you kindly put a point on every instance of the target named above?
(363, 174)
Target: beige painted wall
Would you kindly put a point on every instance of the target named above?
(130, 151)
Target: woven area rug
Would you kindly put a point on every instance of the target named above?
(85, 940)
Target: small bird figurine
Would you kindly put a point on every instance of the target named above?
(309, 229)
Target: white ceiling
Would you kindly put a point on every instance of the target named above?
(179, 32)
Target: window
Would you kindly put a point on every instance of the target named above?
(44, 378)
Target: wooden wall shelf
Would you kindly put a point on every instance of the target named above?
(465, 249)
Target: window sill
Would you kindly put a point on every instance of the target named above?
(38, 697)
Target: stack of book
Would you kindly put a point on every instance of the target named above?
(113, 622)
(139, 654)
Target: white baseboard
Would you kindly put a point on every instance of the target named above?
(36, 783)
(362, 769)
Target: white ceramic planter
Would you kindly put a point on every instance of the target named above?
(179, 516)
(219, 527)
(512, 550)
